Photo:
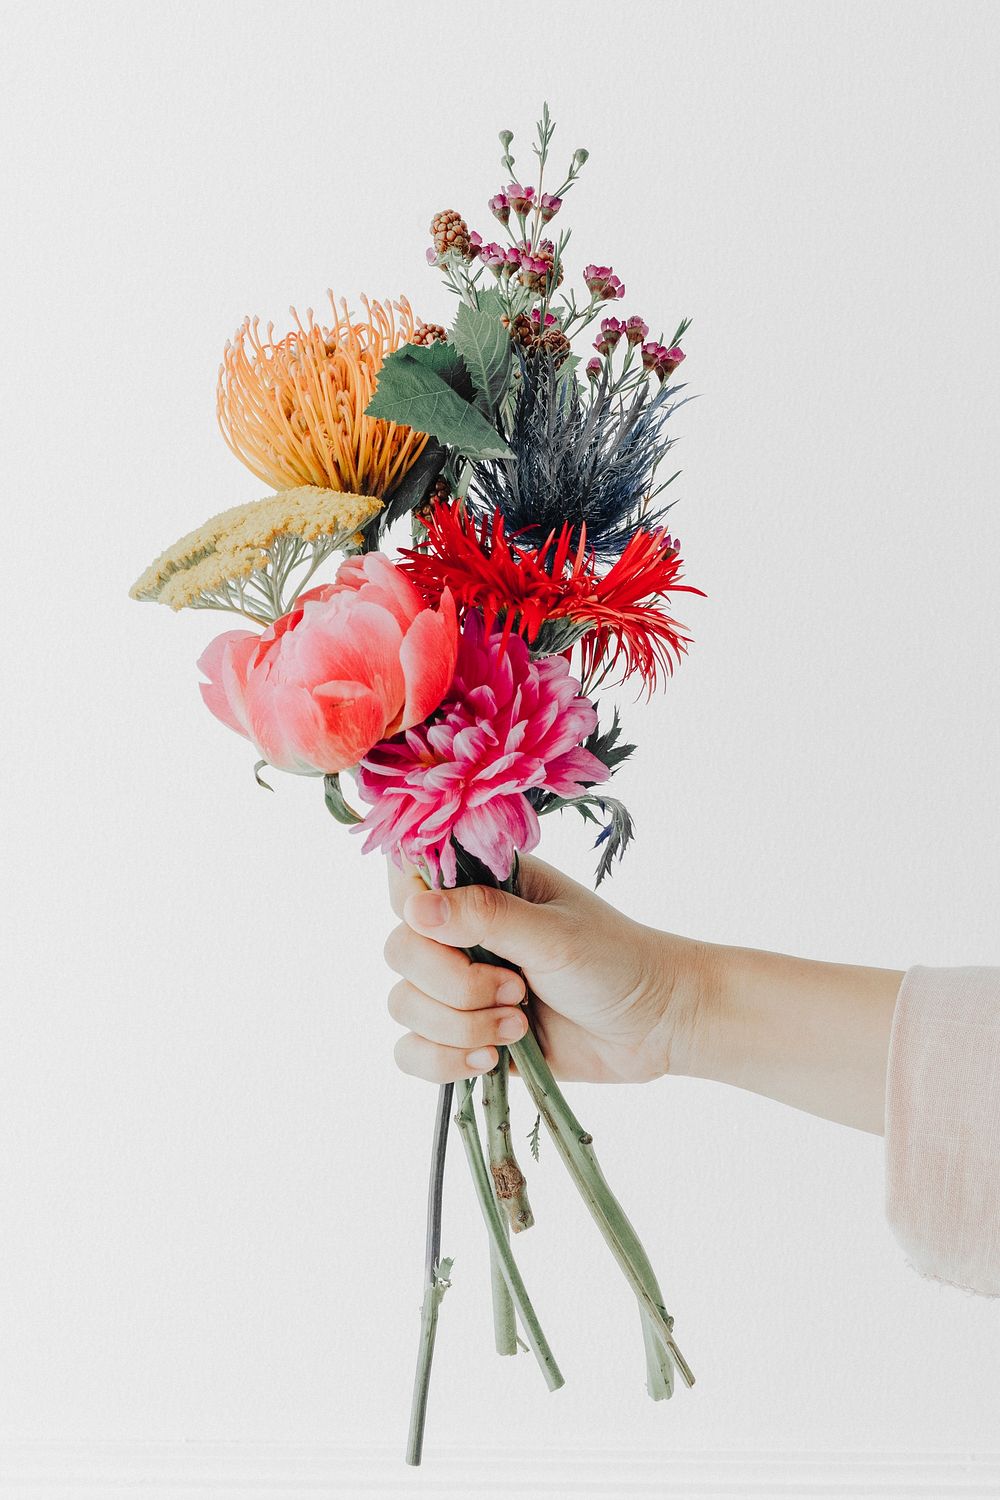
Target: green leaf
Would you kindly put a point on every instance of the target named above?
(593, 807)
(259, 778)
(533, 1136)
(445, 360)
(606, 746)
(415, 484)
(442, 1271)
(424, 387)
(484, 344)
(336, 803)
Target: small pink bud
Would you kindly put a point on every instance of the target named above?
(493, 256)
(500, 206)
(432, 255)
(651, 354)
(611, 332)
(593, 369)
(602, 282)
(520, 198)
(549, 206)
(636, 329)
(668, 361)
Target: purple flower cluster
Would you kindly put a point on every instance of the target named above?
(521, 200)
(535, 263)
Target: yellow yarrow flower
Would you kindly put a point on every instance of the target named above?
(243, 559)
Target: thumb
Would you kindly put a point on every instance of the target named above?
(527, 934)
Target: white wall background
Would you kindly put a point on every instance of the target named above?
(212, 1176)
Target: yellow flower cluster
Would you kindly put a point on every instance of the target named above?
(242, 558)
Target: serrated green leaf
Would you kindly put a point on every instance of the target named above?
(605, 745)
(484, 345)
(445, 360)
(421, 388)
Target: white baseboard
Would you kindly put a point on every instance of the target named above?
(264, 1471)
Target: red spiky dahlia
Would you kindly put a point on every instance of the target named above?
(622, 613)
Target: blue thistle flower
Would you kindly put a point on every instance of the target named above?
(586, 462)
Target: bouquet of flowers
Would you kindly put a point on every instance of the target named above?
(455, 682)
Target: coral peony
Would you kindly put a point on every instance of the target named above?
(352, 662)
(507, 724)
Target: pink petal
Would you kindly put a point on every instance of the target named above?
(428, 656)
(224, 663)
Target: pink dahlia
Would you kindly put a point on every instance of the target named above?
(507, 724)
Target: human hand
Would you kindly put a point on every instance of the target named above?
(611, 1001)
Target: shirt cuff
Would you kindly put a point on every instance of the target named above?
(942, 1125)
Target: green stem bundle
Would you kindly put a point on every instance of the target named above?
(496, 1226)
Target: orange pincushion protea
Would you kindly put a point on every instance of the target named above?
(293, 409)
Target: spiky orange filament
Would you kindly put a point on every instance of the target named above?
(293, 409)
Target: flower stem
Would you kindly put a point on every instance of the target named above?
(576, 1146)
(508, 1179)
(435, 1278)
(465, 1119)
(496, 1113)
(504, 1322)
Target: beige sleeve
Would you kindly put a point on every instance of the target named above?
(942, 1125)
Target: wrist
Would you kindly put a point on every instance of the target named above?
(692, 983)
(809, 1034)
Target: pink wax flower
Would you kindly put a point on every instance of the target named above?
(520, 198)
(500, 206)
(507, 724)
(611, 332)
(536, 315)
(533, 263)
(549, 206)
(593, 369)
(661, 360)
(671, 359)
(475, 244)
(602, 282)
(352, 662)
(493, 256)
(432, 255)
(636, 329)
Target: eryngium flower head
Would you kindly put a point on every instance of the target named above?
(292, 409)
(584, 462)
(507, 724)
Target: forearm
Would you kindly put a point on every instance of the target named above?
(812, 1035)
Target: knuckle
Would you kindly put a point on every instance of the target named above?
(484, 902)
(477, 987)
(470, 1030)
